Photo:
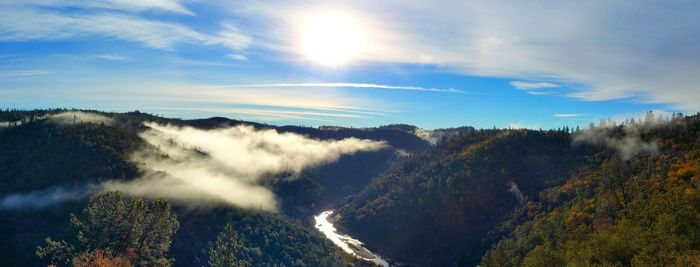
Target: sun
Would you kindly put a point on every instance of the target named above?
(332, 38)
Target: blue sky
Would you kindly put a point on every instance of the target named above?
(355, 63)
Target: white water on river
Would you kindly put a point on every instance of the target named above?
(345, 242)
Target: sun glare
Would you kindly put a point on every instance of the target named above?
(332, 39)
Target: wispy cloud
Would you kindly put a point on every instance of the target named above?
(357, 85)
(187, 99)
(288, 112)
(237, 57)
(568, 115)
(533, 85)
(272, 97)
(112, 57)
(271, 114)
(231, 37)
(44, 198)
(24, 73)
(171, 6)
(540, 92)
(118, 20)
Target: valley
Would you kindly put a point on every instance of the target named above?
(473, 196)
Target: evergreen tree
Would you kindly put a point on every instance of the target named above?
(127, 228)
(227, 250)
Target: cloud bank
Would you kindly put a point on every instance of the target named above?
(532, 85)
(628, 141)
(70, 117)
(229, 165)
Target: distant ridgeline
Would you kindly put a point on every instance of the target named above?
(608, 195)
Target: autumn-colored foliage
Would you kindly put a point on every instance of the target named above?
(100, 258)
(614, 212)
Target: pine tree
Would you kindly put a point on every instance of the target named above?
(227, 250)
(131, 229)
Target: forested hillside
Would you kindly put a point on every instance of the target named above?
(608, 195)
(49, 165)
(434, 208)
(642, 211)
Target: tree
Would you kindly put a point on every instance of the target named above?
(227, 250)
(121, 228)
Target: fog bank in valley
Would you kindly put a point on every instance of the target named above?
(227, 165)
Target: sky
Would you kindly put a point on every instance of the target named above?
(434, 64)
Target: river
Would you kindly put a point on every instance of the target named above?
(345, 242)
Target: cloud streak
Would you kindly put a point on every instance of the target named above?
(189, 100)
(171, 6)
(291, 113)
(112, 57)
(24, 73)
(530, 85)
(568, 115)
(356, 85)
(313, 98)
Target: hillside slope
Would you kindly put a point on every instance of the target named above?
(642, 211)
(617, 195)
(434, 208)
